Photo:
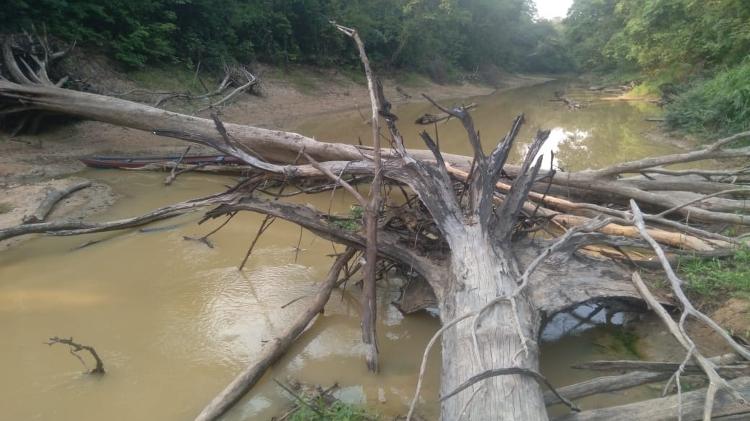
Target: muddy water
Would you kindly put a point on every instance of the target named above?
(174, 320)
(604, 132)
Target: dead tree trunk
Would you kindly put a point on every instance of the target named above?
(480, 272)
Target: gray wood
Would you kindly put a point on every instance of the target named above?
(666, 408)
(52, 198)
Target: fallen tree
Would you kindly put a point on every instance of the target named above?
(472, 244)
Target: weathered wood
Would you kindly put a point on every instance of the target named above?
(66, 228)
(52, 198)
(715, 381)
(276, 348)
(605, 384)
(371, 212)
(664, 409)
(729, 371)
(625, 381)
(75, 347)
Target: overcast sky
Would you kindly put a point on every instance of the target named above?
(549, 9)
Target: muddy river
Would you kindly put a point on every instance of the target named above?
(175, 320)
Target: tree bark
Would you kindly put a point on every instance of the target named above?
(481, 272)
(667, 408)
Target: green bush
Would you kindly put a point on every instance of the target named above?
(715, 106)
(716, 278)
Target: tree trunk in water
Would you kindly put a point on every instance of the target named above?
(481, 272)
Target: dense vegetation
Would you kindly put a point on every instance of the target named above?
(692, 51)
(434, 36)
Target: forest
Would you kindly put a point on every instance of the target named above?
(439, 37)
(696, 54)
(367, 210)
(692, 53)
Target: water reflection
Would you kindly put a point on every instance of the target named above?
(560, 139)
(604, 133)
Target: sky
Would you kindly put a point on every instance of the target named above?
(549, 9)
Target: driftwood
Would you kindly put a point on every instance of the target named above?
(428, 118)
(571, 104)
(276, 348)
(691, 405)
(66, 228)
(75, 348)
(471, 244)
(234, 76)
(52, 198)
(607, 384)
(174, 173)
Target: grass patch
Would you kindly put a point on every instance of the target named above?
(712, 280)
(319, 410)
(6, 207)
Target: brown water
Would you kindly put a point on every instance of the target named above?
(174, 320)
(604, 132)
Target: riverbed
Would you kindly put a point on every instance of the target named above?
(175, 320)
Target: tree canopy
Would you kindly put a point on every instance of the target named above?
(677, 36)
(436, 36)
(693, 52)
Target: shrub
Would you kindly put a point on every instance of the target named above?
(714, 106)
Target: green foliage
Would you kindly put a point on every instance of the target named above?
(588, 29)
(696, 47)
(716, 106)
(439, 37)
(677, 36)
(717, 278)
(338, 411)
(353, 222)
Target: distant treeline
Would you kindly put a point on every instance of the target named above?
(694, 51)
(433, 36)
